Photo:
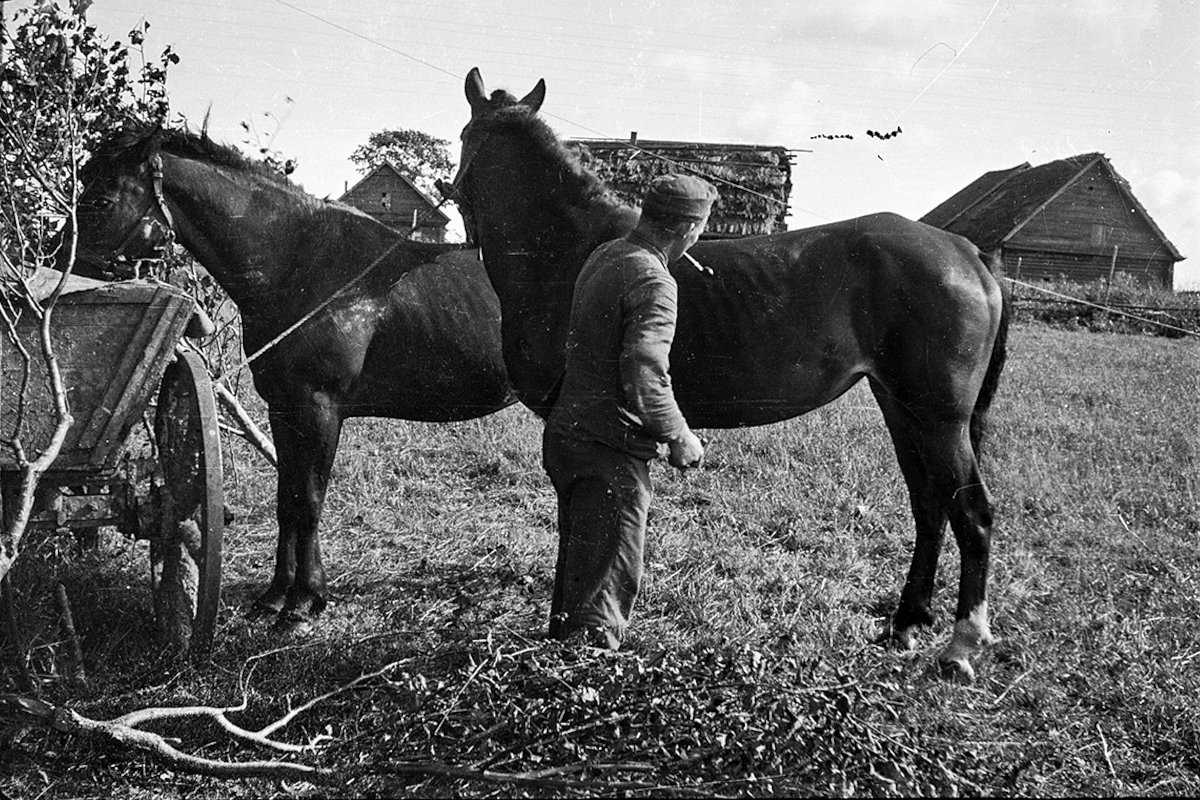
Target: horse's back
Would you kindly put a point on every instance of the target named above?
(883, 255)
(788, 322)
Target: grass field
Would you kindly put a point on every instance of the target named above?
(749, 668)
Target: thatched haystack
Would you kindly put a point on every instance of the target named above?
(755, 181)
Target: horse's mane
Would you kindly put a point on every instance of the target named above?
(141, 139)
(510, 115)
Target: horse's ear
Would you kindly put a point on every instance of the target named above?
(476, 94)
(535, 98)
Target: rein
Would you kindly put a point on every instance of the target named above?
(324, 303)
(156, 176)
(289, 330)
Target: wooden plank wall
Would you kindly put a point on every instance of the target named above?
(1077, 235)
(1083, 268)
(368, 196)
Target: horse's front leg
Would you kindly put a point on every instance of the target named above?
(306, 439)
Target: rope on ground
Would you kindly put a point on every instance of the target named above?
(1106, 309)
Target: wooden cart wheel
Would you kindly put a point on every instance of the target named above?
(186, 554)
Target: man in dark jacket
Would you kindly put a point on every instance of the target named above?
(615, 408)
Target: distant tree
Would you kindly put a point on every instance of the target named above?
(416, 155)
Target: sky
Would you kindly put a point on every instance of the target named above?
(974, 85)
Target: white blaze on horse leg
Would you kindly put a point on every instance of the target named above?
(970, 636)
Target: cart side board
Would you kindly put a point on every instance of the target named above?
(113, 345)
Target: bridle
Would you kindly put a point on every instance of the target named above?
(162, 229)
(453, 190)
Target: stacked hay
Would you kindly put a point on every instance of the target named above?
(754, 180)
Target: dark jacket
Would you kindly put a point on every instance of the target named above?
(616, 389)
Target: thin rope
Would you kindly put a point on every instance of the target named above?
(324, 303)
(1107, 309)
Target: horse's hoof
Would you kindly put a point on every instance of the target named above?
(293, 625)
(895, 639)
(260, 611)
(956, 670)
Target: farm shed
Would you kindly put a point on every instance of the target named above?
(755, 181)
(1073, 219)
(396, 201)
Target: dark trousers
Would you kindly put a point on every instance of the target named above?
(603, 497)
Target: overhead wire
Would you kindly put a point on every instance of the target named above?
(714, 43)
(994, 104)
(634, 146)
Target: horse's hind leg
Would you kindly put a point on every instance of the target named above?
(915, 608)
(944, 483)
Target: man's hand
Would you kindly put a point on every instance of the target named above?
(687, 451)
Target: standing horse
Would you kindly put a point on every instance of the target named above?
(783, 325)
(410, 339)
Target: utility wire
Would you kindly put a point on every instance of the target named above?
(364, 37)
(423, 62)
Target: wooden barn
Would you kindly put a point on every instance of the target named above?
(755, 181)
(1074, 219)
(396, 201)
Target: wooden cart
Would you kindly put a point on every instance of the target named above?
(117, 347)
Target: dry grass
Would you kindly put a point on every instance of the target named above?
(768, 573)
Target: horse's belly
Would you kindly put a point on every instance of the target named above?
(734, 396)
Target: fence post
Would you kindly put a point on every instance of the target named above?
(1112, 271)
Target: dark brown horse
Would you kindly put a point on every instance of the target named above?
(412, 339)
(783, 325)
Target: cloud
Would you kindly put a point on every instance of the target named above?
(1172, 196)
(1177, 197)
(880, 21)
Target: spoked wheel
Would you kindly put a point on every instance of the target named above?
(186, 553)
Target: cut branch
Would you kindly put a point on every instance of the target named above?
(119, 731)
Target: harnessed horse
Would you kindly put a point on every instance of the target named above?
(387, 327)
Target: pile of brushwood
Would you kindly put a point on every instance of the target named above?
(535, 719)
(1122, 306)
(710, 721)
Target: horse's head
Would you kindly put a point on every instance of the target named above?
(483, 110)
(123, 216)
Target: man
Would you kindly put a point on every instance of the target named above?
(614, 409)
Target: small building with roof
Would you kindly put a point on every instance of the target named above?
(386, 194)
(1074, 219)
(754, 181)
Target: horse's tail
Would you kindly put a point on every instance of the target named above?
(991, 379)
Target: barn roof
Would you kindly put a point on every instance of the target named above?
(994, 207)
(433, 216)
(755, 181)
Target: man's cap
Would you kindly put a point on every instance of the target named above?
(682, 196)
